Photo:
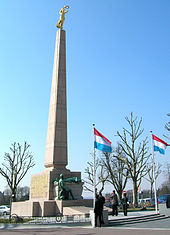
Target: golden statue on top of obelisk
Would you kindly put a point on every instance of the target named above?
(63, 11)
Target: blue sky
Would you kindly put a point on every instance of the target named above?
(118, 61)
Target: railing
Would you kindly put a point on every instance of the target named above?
(58, 219)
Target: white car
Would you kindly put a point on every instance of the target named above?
(4, 210)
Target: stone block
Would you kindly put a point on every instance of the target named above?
(50, 208)
(105, 218)
(163, 210)
(39, 188)
(27, 208)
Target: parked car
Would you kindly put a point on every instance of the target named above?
(162, 198)
(4, 210)
(147, 202)
(108, 203)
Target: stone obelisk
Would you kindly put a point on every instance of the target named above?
(56, 158)
(44, 193)
(56, 147)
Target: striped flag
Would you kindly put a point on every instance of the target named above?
(101, 142)
(159, 145)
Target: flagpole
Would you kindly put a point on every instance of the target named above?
(153, 166)
(94, 170)
(94, 179)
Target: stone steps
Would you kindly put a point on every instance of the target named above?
(137, 219)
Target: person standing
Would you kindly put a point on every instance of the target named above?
(124, 204)
(98, 211)
(102, 199)
(168, 202)
(114, 203)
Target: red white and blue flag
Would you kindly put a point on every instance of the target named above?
(101, 142)
(159, 145)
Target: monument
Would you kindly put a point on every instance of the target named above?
(47, 197)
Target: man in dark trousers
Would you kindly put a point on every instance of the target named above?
(98, 211)
(114, 203)
(124, 204)
(168, 202)
(102, 199)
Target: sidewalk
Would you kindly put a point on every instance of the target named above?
(132, 214)
(50, 222)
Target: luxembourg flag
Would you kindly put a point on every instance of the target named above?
(101, 142)
(159, 145)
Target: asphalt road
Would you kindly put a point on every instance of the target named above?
(88, 231)
(157, 227)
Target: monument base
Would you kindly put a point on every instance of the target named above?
(42, 184)
(46, 208)
(44, 194)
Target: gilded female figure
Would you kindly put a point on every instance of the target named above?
(63, 11)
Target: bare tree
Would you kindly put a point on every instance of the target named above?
(150, 178)
(23, 193)
(16, 165)
(163, 189)
(167, 172)
(116, 170)
(101, 176)
(137, 154)
(5, 196)
(167, 127)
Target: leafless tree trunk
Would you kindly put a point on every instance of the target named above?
(115, 168)
(150, 178)
(16, 166)
(137, 155)
(101, 176)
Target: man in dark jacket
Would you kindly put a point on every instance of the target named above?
(168, 202)
(114, 203)
(102, 199)
(98, 210)
(124, 204)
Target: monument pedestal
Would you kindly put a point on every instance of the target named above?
(42, 207)
(44, 194)
(42, 186)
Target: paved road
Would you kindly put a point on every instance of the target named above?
(158, 227)
(87, 231)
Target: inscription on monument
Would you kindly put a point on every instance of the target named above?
(39, 186)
